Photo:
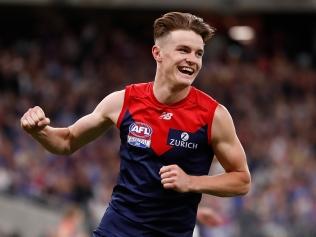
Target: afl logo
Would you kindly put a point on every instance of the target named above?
(141, 130)
(184, 136)
(139, 135)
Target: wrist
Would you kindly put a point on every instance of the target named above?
(192, 184)
(39, 132)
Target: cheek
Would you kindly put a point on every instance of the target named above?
(200, 64)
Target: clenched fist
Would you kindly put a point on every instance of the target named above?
(34, 120)
(173, 177)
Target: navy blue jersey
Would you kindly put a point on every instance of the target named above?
(154, 135)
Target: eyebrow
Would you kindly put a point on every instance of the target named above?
(187, 47)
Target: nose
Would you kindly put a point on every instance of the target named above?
(188, 61)
(191, 59)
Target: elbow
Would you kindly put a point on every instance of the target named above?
(67, 152)
(63, 152)
(245, 184)
(68, 147)
(245, 189)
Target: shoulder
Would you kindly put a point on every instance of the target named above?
(138, 89)
(222, 114)
(222, 124)
(111, 104)
(114, 97)
(140, 85)
(204, 100)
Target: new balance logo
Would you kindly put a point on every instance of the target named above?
(166, 116)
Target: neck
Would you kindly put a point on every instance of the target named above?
(169, 94)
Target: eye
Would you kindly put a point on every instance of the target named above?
(183, 50)
(199, 53)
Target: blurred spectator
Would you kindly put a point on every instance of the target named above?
(71, 224)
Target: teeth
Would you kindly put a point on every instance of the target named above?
(186, 69)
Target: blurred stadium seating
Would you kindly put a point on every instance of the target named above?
(66, 59)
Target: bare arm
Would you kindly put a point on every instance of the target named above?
(69, 139)
(229, 152)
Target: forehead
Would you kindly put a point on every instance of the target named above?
(184, 37)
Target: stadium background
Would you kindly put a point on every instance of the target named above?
(67, 55)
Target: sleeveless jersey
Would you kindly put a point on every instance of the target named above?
(154, 135)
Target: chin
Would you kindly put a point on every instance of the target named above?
(185, 80)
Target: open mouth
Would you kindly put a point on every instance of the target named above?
(186, 70)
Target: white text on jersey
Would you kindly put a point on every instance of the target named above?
(166, 116)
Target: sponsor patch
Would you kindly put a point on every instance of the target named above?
(182, 139)
(139, 135)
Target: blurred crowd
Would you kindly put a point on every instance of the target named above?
(67, 71)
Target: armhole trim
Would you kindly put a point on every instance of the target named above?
(124, 107)
(210, 123)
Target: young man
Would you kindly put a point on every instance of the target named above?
(170, 132)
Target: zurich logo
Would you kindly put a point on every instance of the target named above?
(180, 139)
(185, 136)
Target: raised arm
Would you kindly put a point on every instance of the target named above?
(229, 152)
(68, 139)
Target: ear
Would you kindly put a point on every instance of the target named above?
(156, 53)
